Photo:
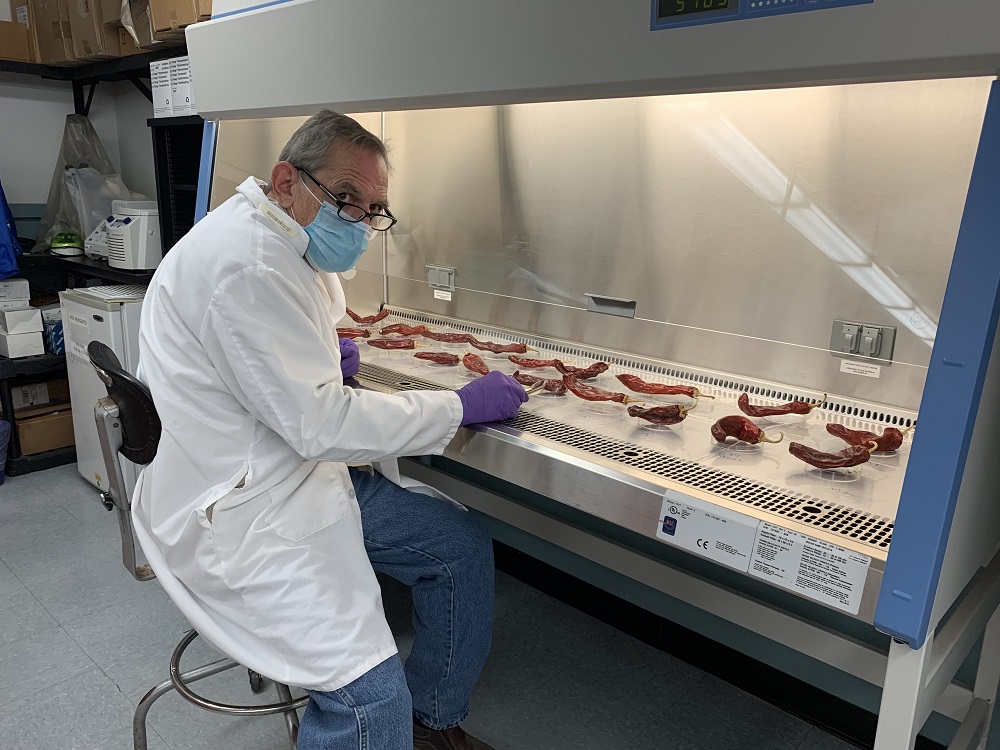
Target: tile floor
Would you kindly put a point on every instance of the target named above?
(81, 642)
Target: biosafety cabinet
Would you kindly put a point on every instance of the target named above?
(790, 200)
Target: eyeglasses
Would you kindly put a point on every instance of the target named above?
(349, 212)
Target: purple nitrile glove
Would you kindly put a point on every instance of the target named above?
(492, 397)
(350, 358)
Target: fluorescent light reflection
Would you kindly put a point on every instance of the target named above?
(727, 144)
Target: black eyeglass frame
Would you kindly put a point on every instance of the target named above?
(341, 205)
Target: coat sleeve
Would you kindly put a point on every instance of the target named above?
(278, 365)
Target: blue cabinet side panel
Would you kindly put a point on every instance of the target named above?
(208, 136)
(949, 403)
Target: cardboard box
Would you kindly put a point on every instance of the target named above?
(159, 81)
(171, 16)
(181, 88)
(20, 321)
(111, 11)
(92, 39)
(48, 23)
(26, 397)
(47, 431)
(15, 289)
(14, 345)
(127, 43)
(15, 42)
(19, 14)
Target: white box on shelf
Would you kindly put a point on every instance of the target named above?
(182, 90)
(14, 304)
(20, 321)
(14, 345)
(11, 289)
(159, 80)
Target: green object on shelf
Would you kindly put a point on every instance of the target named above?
(66, 240)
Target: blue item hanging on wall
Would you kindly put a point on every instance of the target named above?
(10, 248)
(4, 440)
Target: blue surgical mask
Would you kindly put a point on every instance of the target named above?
(335, 244)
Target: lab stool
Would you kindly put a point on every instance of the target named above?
(127, 424)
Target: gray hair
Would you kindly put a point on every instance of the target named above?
(309, 147)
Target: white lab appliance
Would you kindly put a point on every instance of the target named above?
(109, 314)
(129, 237)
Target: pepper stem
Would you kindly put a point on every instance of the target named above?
(699, 394)
(874, 446)
(909, 429)
(814, 404)
(628, 400)
(765, 439)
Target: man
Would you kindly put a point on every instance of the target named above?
(249, 514)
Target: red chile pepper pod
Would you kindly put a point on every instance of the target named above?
(742, 429)
(590, 393)
(490, 346)
(441, 358)
(665, 415)
(551, 385)
(367, 320)
(637, 384)
(853, 455)
(792, 407)
(532, 364)
(890, 439)
(581, 373)
(404, 330)
(474, 363)
(447, 338)
(394, 343)
(353, 333)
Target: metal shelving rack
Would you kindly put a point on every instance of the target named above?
(40, 367)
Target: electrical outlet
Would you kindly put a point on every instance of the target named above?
(862, 340)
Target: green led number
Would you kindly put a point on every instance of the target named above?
(681, 5)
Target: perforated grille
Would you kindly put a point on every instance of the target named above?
(797, 506)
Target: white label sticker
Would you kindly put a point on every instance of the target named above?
(281, 221)
(865, 369)
(818, 570)
(441, 294)
(707, 530)
(21, 14)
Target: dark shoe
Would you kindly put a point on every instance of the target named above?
(445, 739)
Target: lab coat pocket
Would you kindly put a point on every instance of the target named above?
(318, 502)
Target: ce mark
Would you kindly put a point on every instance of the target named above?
(703, 543)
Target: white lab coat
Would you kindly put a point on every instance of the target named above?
(247, 514)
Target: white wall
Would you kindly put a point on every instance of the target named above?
(135, 141)
(32, 115)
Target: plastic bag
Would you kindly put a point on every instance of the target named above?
(83, 185)
(10, 248)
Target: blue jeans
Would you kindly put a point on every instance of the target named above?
(447, 558)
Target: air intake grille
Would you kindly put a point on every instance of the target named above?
(806, 509)
(116, 246)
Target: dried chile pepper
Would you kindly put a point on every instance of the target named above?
(447, 338)
(441, 358)
(404, 330)
(582, 373)
(393, 343)
(474, 363)
(742, 429)
(890, 439)
(490, 346)
(590, 393)
(551, 385)
(792, 407)
(639, 385)
(353, 333)
(853, 455)
(661, 415)
(532, 364)
(367, 320)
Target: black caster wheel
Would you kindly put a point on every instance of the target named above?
(256, 681)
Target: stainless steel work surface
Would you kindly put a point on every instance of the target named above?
(598, 459)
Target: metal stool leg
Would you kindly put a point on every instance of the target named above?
(291, 717)
(141, 710)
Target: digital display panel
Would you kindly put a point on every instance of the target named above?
(676, 8)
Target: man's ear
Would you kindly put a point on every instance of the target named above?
(283, 177)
